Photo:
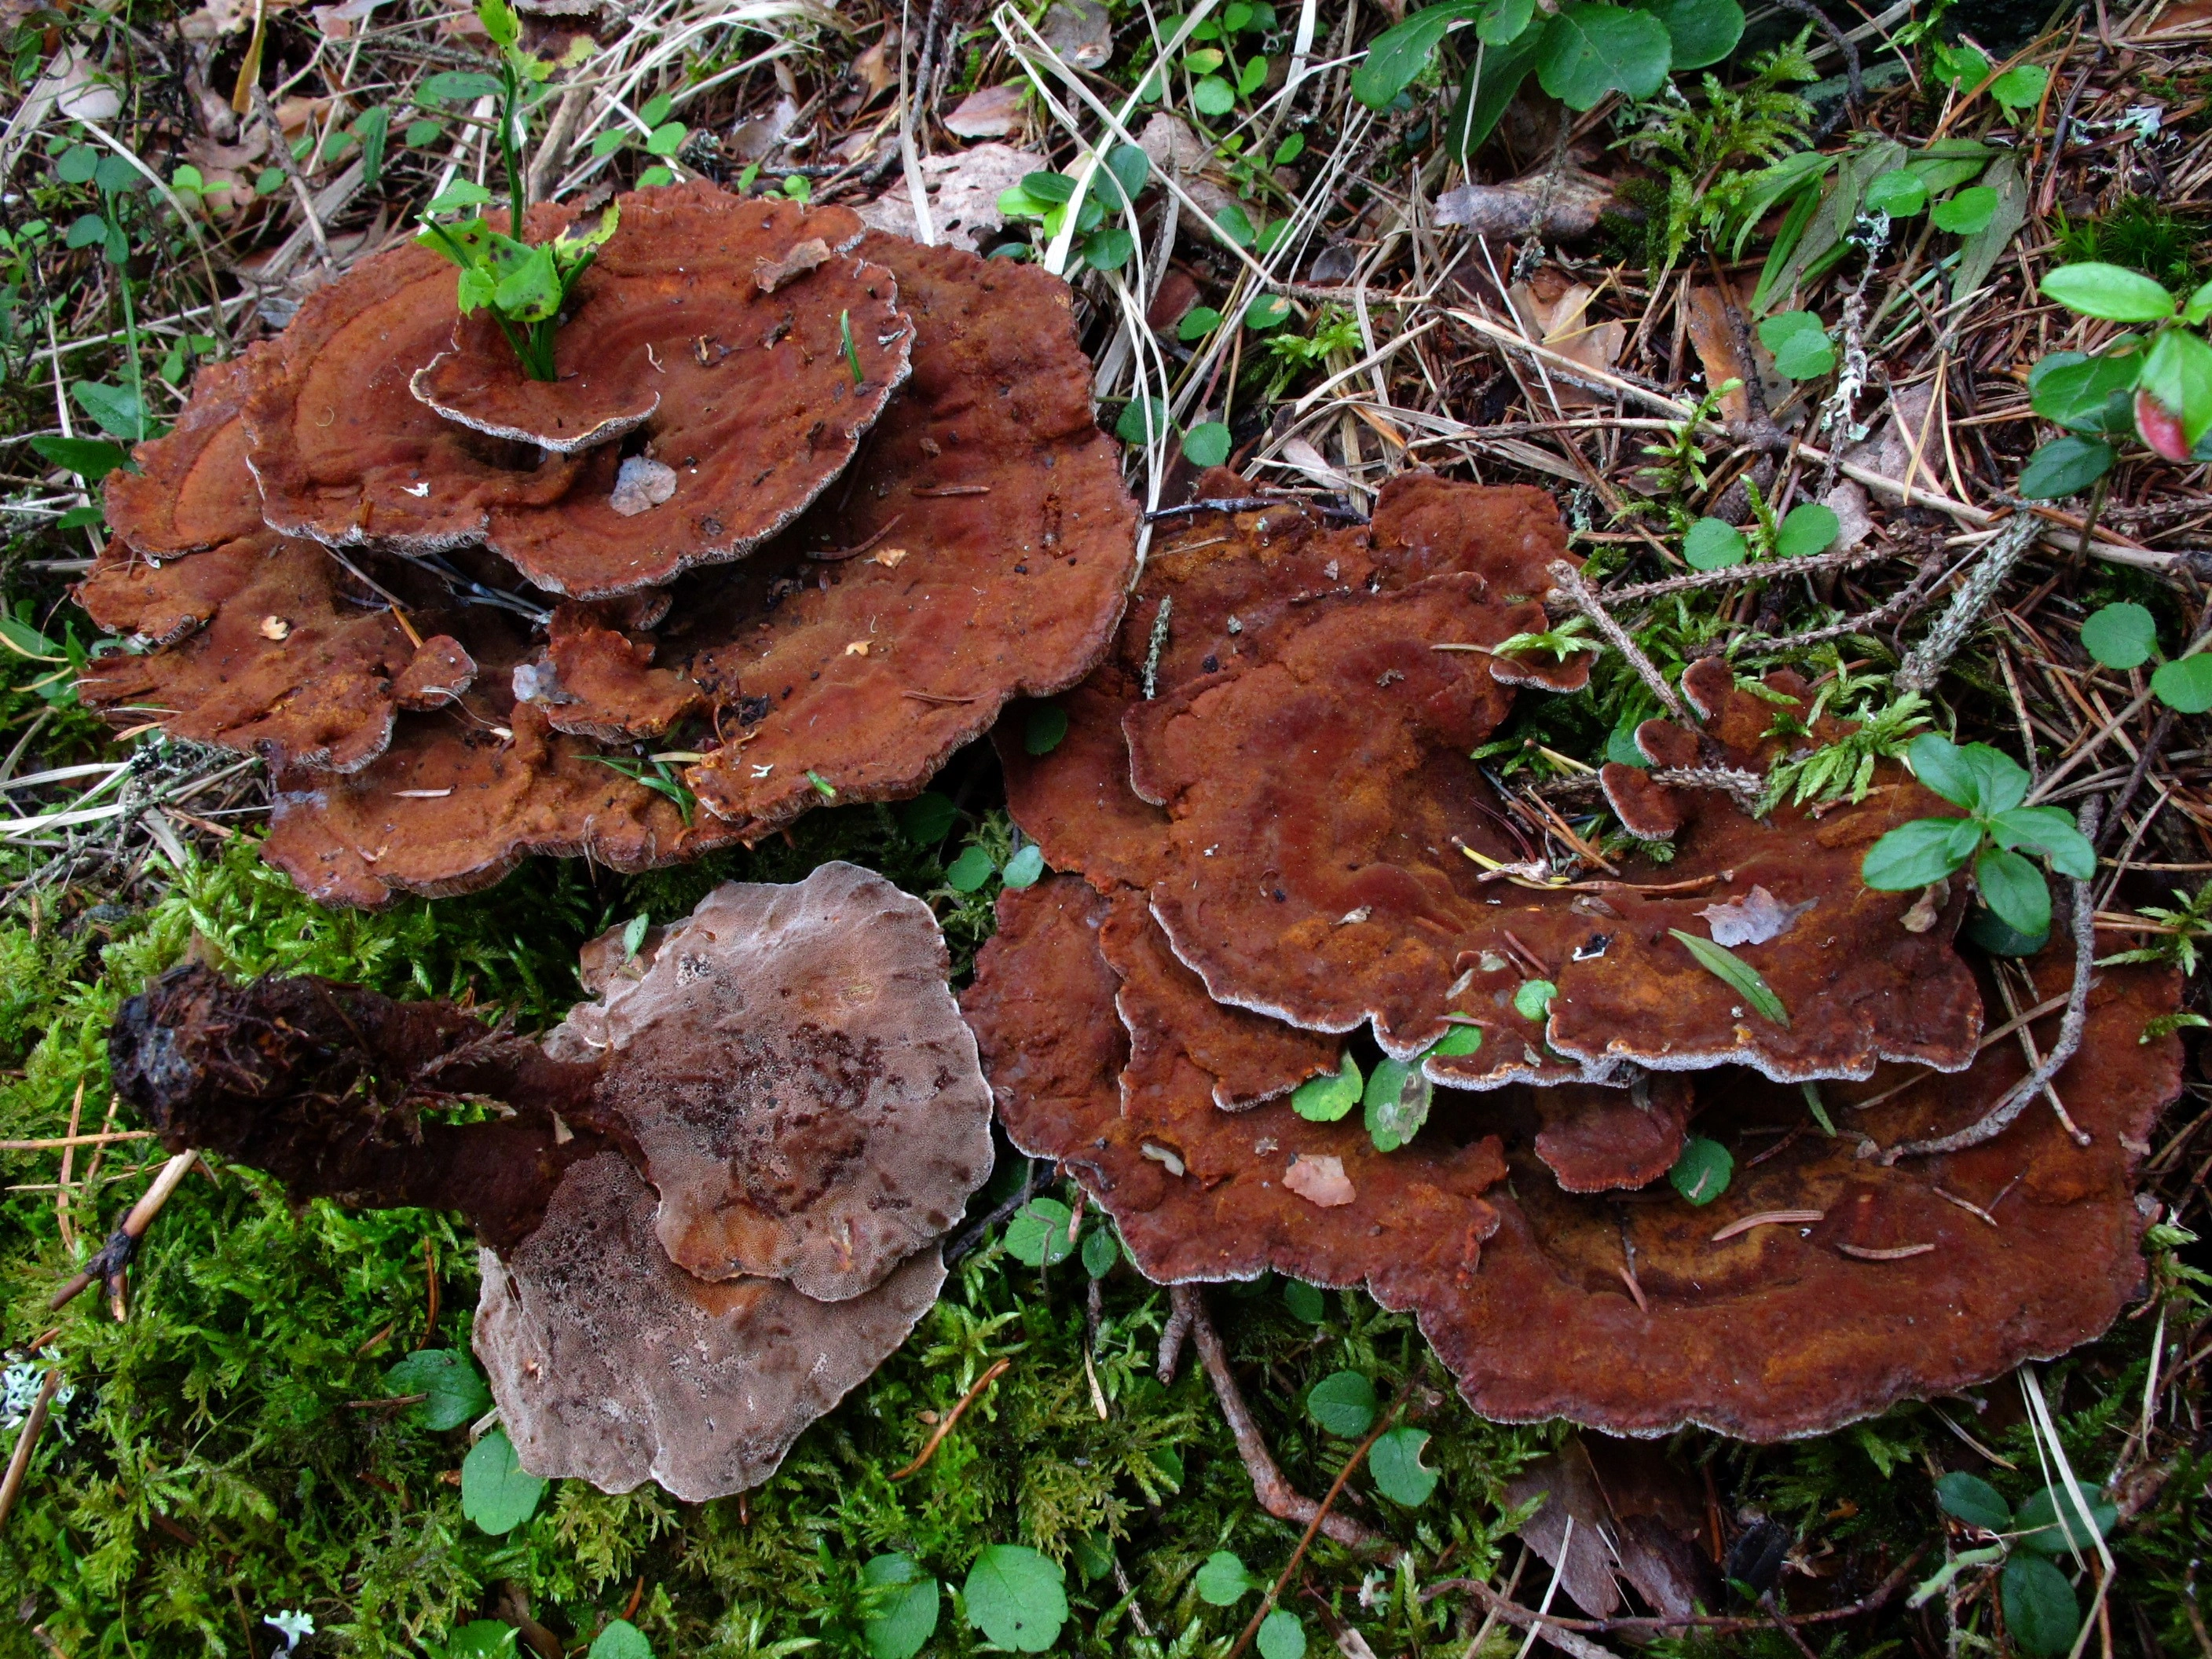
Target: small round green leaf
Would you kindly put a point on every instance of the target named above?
(1207, 444)
(1304, 1301)
(1801, 345)
(2088, 394)
(1459, 1039)
(2020, 88)
(2111, 292)
(1213, 96)
(1897, 193)
(2050, 1523)
(1101, 1249)
(1703, 1172)
(1282, 1636)
(1343, 1404)
(1969, 212)
(496, 1492)
(1036, 1236)
(1974, 1501)
(2121, 636)
(1143, 421)
(457, 1394)
(927, 818)
(2185, 685)
(624, 1640)
(1807, 528)
(1025, 867)
(1048, 186)
(1108, 249)
(2065, 466)
(1397, 1101)
(1713, 544)
(1197, 323)
(1591, 49)
(1394, 1462)
(1701, 32)
(1046, 726)
(905, 1602)
(482, 1638)
(969, 870)
(2040, 1610)
(1268, 311)
(2014, 890)
(1326, 1099)
(1532, 998)
(1223, 1580)
(1017, 1597)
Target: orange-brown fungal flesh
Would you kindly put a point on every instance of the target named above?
(1917, 1280)
(191, 489)
(1198, 1193)
(598, 681)
(613, 1365)
(1598, 1140)
(804, 1096)
(979, 551)
(257, 646)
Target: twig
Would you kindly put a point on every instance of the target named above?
(1276, 1495)
(1715, 1623)
(112, 1257)
(944, 1426)
(1925, 667)
(1753, 571)
(281, 148)
(1174, 1334)
(34, 1425)
(1570, 583)
(2014, 1099)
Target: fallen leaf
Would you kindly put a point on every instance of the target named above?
(1319, 1181)
(1754, 919)
(640, 485)
(992, 112)
(1559, 323)
(1848, 502)
(802, 258)
(752, 140)
(876, 69)
(964, 188)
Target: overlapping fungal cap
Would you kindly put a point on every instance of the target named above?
(804, 1098)
(533, 631)
(778, 1090)
(1296, 799)
(1822, 1286)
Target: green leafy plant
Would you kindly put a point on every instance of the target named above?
(447, 1377)
(524, 288)
(1282, 1636)
(1017, 1597)
(2184, 925)
(1393, 1463)
(497, 1492)
(657, 773)
(1585, 51)
(1845, 767)
(1044, 198)
(1223, 1580)
(1702, 1170)
(1343, 1404)
(901, 1602)
(2158, 388)
(2125, 636)
(2042, 1613)
(1739, 976)
(1993, 836)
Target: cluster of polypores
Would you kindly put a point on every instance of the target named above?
(804, 508)
(1275, 839)
(711, 1199)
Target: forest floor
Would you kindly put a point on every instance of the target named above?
(1322, 302)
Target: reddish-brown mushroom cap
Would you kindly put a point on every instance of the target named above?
(1199, 1193)
(979, 551)
(613, 1365)
(598, 680)
(187, 493)
(755, 404)
(1777, 1327)
(253, 646)
(804, 1096)
(1599, 1140)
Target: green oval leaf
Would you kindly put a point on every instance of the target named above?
(1713, 544)
(1037, 1236)
(2014, 890)
(2111, 292)
(2020, 87)
(2088, 394)
(1023, 869)
(1207, 444)
(1343, 1404)
(2121, 636)
(1974, 1501)
(927, 818)
(497, 1492)
(1326, 1099)
(1941, 765)
(1532, 998)
(1591, 49)
(2051, 1524)
(1703, 1172)
(2185, 685)
(1898, 193)
(1044, 729)
(1016, 1597)
(1282, 1636)
(905, 1602)
(1197, 323)
(1397, 1100)
(1304, 1301)
(1809, 528)
(1144, 420)
(457, 1394)
(1914, 854)
(1969, 212)
(969, 870)
(1223, 1580)
(624, 1640)
(2040, 1610)
(1801, 345)
(1401, 52)
(1213, 96)
(2048, 833)
(1395, 1462)
(1701, 32)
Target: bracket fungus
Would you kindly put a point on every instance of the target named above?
(806, 508)
(1824, 1286)
(711, 1200)
(1273, 837)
